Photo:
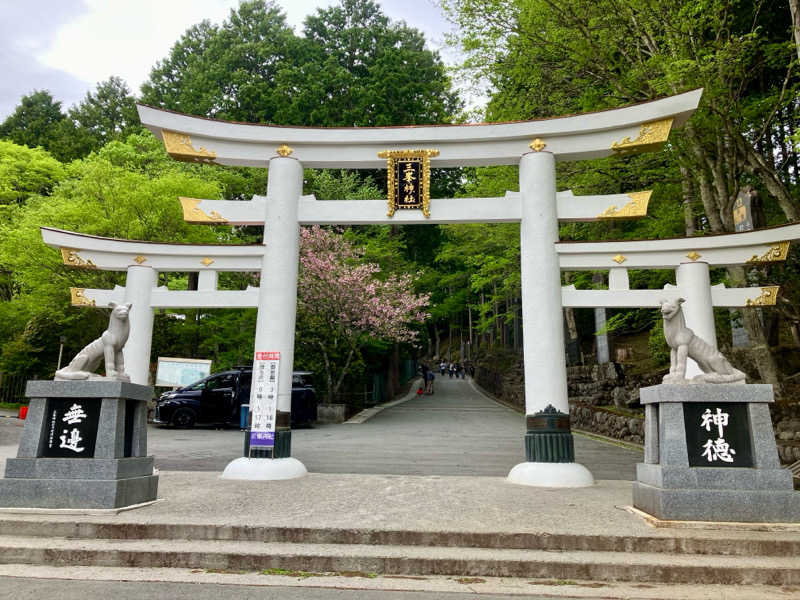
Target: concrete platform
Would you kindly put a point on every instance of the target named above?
(389, 502)
(468, 526)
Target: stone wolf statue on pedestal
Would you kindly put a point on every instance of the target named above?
(108, 346)
(683, 344)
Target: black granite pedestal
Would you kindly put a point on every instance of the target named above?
(84, 446)
(710, 455)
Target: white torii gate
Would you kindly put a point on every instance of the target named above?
(534, 145)
(680, 254)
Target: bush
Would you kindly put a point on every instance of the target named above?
(657, 345)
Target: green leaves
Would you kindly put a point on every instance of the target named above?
(353, 67)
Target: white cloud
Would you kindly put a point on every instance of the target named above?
(127, 37)
(68, 46)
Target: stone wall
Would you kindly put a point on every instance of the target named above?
(507, 386)
(605, 422)
(786, 418)
(592, 387)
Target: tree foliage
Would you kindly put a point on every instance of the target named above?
(351, 67)
(343, 303)
(550, 57)
(36, 122)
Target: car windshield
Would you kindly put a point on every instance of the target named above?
(196, 386)
(228, 380)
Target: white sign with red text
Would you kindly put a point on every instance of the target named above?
(264, 398)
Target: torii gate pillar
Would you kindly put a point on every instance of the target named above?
(139, 283)
(694, 281)
(277, 310)
(543, 335)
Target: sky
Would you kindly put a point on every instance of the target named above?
(68, 46)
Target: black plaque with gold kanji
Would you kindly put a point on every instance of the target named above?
(408, 183)
(408, 176)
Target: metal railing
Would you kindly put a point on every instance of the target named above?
(12, 388)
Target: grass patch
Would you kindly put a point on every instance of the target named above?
(11, 405)
(306, 574)
(622, 412)
(469, 580)
(291, 573)
(356, 574)
(607, 440)
(224, 571)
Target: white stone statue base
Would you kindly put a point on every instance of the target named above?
(264, 469)
(546, 474)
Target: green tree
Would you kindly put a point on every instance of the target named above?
(353, 67)
(36, 122)
(227, 71)
(126, 190)
(108, 113)
(26, 171)
(360, 69)
(545, 57)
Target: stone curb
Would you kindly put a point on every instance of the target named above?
(590, 434)
(368, 413)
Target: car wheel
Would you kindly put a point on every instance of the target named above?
(184, 417)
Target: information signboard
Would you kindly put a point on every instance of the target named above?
(178, 372)
(264, 399)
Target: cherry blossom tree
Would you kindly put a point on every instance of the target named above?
(344, 301)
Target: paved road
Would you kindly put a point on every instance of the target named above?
(35, 589)
(456, 431)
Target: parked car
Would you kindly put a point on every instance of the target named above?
(218, 399)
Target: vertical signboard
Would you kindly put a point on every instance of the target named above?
(264, 399)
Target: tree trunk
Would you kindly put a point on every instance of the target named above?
(795, 329)
(393, 376)
(469, 317)
(794, 8)
(765, 361)
(688, 203)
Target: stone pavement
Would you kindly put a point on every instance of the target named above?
(457, 431)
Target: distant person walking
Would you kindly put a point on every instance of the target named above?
(429, 383)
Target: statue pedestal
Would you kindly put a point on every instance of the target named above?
(710, 455)
(84, 445)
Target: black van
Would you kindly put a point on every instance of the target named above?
(217, 400)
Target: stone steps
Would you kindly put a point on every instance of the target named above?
(712, 559)
(402, 560)
(725, 544)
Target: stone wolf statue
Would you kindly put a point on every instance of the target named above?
(108, 346)
(683, 344)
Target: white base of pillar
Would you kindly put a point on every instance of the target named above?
(264, 469)
(556, 475)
